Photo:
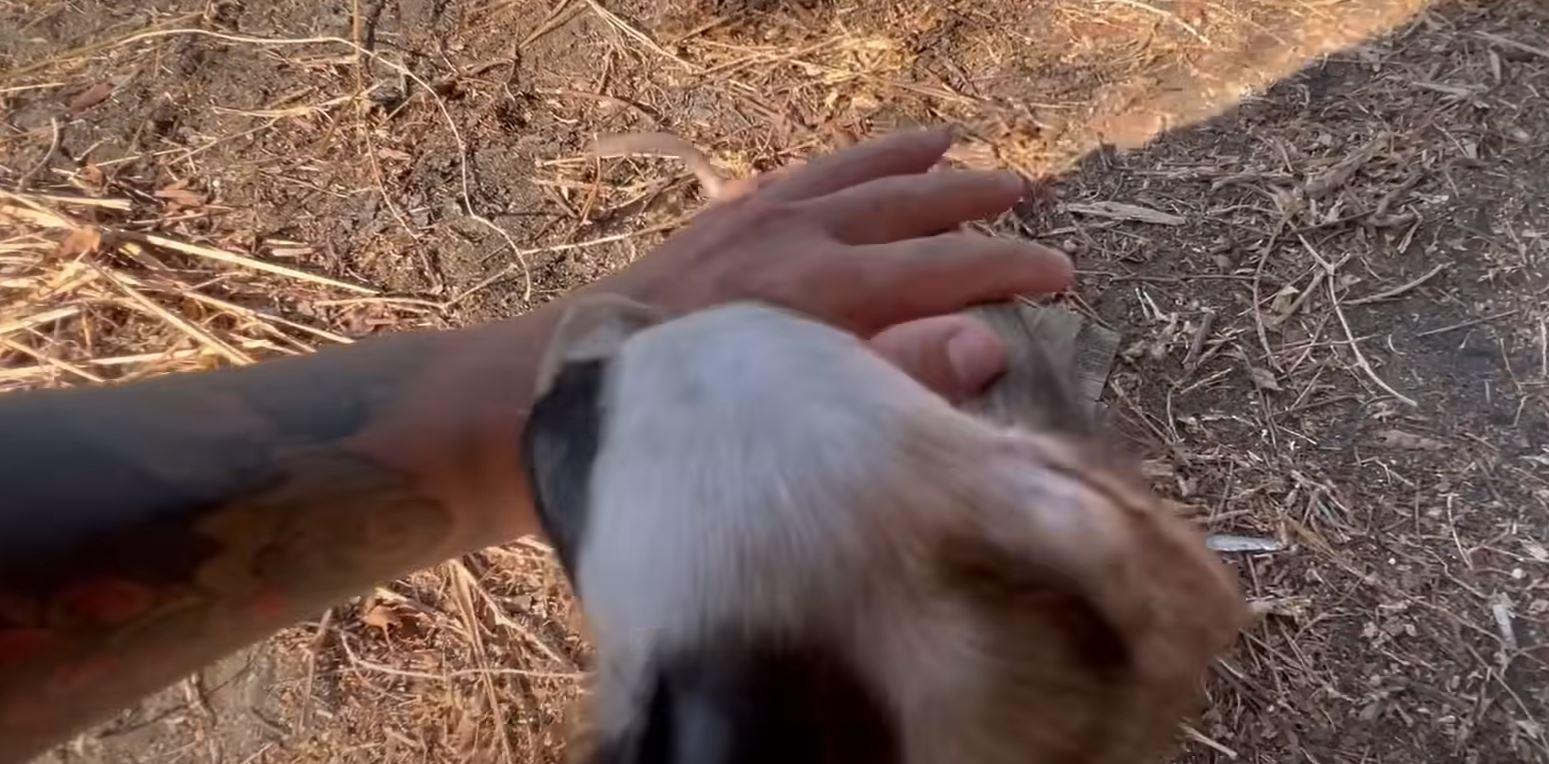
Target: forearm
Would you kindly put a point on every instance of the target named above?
(148, 529)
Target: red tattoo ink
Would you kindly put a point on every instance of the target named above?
(106, 602)
(97, 669)
(269, 605)
(22, 644)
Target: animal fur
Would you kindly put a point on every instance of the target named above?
(788, 549)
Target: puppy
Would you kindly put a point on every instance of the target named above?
(788, 550)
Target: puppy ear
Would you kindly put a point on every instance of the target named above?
(593, 329)
(1104, 606)
(564, 428)
(1057, 363)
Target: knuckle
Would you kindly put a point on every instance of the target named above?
(771, 216)
(784, 257)
(776, 284)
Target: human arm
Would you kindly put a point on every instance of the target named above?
(147, 529)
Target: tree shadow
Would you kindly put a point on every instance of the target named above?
(1367, 230)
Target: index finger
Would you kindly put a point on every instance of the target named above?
(946, 273)
(901, 154)
(905, 206)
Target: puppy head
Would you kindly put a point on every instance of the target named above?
(788, 550)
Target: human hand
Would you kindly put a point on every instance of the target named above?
(866, 239)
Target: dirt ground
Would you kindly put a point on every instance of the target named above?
(1331, 281)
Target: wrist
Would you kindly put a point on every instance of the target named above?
(458, 427)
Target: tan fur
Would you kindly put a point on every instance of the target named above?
(1013, 596)
(1144, 583)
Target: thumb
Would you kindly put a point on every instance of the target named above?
(956, 356)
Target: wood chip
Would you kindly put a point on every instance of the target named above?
(1392, 438)
(1507, 42)
(1222, 542)
(178, 195)
(1296, 607)
(90, 97)
(1263, 379)
(1338, 175)
(81, 241)
(381, 616)
(1535, 550)
(1500, 610)
(1127, 212)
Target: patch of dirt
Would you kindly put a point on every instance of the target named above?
(234, 708)
(1407, 619)
(1388, 200)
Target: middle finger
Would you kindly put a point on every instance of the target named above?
(910, 206)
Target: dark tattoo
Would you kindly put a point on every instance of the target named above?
(147, 529)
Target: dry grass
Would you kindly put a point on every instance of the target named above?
(1333, 298)
(92, 297)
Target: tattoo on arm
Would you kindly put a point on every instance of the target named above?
(148, 529)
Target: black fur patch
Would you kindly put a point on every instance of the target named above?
(761, 704)
(560, 444)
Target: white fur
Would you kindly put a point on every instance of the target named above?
(771, 474)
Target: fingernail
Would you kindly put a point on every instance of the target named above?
(1014, 180)
(977, 356)
(943, 134)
